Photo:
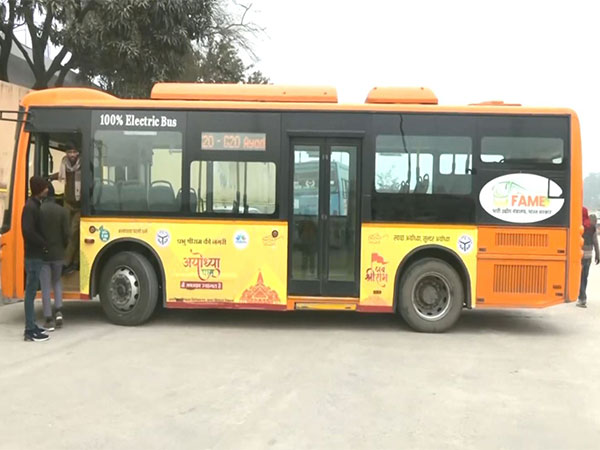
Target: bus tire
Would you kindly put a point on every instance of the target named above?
(431, 296)
(128, 289)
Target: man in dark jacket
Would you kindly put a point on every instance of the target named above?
(56, 232)
(35, 248)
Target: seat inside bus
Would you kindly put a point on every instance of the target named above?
(193, 204)
(161, 197)
(133, 197)
(105, 196)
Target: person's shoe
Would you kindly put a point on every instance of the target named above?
(49, 324)
(581, 304)
(58, 319)
(40, 329)
(35, 336)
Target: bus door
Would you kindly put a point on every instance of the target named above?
(324, 223)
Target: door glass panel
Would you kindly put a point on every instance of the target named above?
(341, 240)
(305, 223)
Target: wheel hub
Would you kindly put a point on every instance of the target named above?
(431, 296)
(124, 289)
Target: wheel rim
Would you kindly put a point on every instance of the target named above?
(431, 296)
(124, 289)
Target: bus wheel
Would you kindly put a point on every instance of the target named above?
(128, 289)
(431, 296)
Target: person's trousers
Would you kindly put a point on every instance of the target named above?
(33, 268)
(50, 281)
(72, 252)
(585, 271)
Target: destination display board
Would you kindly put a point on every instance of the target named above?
(239, 141)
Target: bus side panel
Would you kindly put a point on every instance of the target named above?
(384, 247)
(521, 267)
(8, 264)
(13, 250)
(575, 242)
(207, 263)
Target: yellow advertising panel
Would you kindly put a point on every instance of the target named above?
(205, 262)
(385, 246)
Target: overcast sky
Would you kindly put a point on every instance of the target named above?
(537, 53)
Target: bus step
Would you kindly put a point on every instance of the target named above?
(326, 306)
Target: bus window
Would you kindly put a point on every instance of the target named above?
(455, 164)
(137, 171)
(306, 180)
(454, 174)
(237, 187)
(405, 164)
(510, 149)
(339, 183)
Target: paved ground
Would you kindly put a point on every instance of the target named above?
(248, 380)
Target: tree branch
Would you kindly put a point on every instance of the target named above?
(25, 54)
(28, 16)
(56, 63)
(47, 26)
(64, 71)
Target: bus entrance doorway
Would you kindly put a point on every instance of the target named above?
(57, 158)
(324, 226)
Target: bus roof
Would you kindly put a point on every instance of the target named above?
(270, 97)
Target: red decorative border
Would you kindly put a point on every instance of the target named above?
(225, 305)
(375, 309)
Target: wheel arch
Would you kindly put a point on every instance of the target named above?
(439, 252)
(123, 245)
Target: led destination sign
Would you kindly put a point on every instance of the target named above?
(234, 141)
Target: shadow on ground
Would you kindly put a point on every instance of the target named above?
(523, 322)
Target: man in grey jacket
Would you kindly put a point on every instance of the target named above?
(56, 230)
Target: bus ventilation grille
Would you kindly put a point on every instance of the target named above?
(520, 279)
(521, 240)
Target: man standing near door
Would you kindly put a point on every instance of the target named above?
(70, 175)
(35, 249)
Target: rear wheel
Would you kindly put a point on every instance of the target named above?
(128, 289)
(431, 296)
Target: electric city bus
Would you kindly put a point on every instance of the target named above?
(281, 198)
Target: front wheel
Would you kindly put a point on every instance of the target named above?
(128, 289)
(431, 296)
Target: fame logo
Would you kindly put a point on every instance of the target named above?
(377, 272)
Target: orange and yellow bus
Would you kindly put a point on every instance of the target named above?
(281, 198)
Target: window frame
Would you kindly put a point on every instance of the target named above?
(267, 122)
(180, 127)
(526, 125)
(225, 214)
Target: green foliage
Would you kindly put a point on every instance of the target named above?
(126, 46)
(219, 62)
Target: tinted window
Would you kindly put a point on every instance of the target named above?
(540, 150)
(407, 165)
(137, 170)
(232, 187)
